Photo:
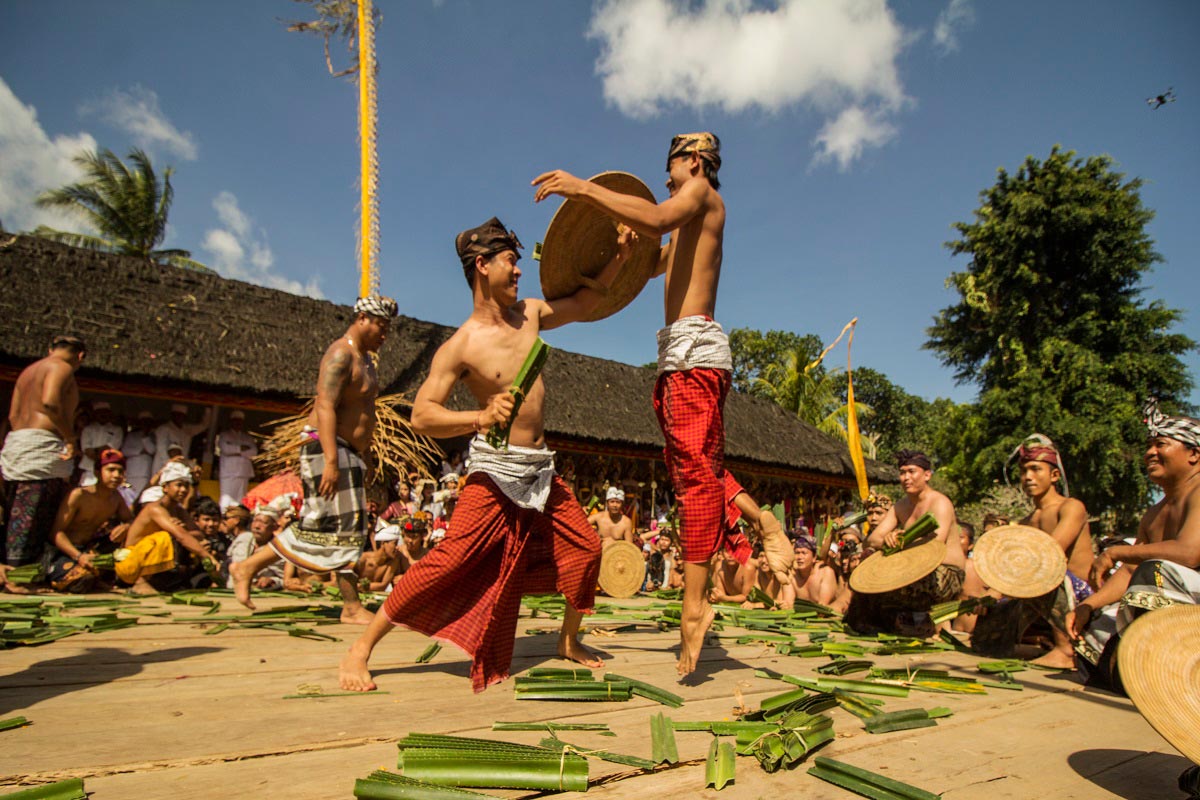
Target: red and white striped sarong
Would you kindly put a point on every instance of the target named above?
(467, 590)
(690, 407)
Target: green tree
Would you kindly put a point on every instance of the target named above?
(127, 208)
(811, 395)
(754, 350)
(1052, 328)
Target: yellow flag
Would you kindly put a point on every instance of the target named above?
(853, 435)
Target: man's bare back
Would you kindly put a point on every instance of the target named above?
(350, 377)
(45, 395)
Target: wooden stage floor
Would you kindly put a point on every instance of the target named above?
(163, 711)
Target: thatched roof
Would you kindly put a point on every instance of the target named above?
(147, 323)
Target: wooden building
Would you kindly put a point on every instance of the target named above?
(160, 335)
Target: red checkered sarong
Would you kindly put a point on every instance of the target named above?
(467, 590)
(690, 407)
(735, 541)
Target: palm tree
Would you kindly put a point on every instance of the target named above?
(128, 208)
(810, 394)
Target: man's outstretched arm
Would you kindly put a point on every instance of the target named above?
(577, 306)
(648, 219)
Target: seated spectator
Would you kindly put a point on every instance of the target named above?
(236, 525)
(89, 521)
(849, 557)
(660, 565)
(993, 520)
(208, 521)
(162, 525)
(810, 579)
(731, 580)
(414, 546)
(377, 568)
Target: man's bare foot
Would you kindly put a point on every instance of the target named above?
(691, 638)
(356, 616)
(1056, 659)
(353, 674)
(241, 583)
(143, 587)
(570, 649)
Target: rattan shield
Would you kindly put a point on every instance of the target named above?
(883, 573)
(581, 239)
(1019, 561)
(622, 569)
(1159, 661)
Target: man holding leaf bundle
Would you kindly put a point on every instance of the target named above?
(517, 528)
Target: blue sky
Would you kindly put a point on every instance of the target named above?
(854, 134)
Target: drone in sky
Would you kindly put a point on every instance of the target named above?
(1158, 101)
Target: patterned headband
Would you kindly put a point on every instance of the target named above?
(377, 306)
(1181, 429)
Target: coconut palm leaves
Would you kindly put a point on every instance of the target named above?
(335, 19)
(810, 394)
(126, 204)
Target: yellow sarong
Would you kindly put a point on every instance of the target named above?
(154, 553)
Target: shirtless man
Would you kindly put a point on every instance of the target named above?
(611, 524)
(946, 582)
(1162, 567)
(377, 568)
(38, 454)
(334, 465)
(88, 514)
(810, 580)
(148, 541)
(732, 580)
(1066, 520)
(694, 360)
(517, 528)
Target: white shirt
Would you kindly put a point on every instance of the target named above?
(236, 448)
(169, 433)
(98, 436)
(138, 448)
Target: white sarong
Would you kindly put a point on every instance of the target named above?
(693, 343)
(524, 474)
(33, 454)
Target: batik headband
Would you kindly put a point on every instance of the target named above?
(1181, 429)
(377, 306)
(704, 144)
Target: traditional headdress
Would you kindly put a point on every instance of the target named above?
(1039, 447)
(913, 457)
(151, 494)
(377, 306)
(110, 456)
(1181, 429)
(389, 534)
(488, 239)
(614, 493)
(704, 144)
(175, 471)
(805, 542)
(178, 408)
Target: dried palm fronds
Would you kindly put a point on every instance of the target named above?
(397, 449)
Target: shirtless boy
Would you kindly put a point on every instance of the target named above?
(334, 465)
(517, 528)
(149, 537)
(377, 568)
(39, 450)
(611, 524)
(694, 361)
(944, 583)
(810, 580)
(88, 514)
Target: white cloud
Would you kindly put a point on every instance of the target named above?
(30, 163)
(957, 15)
(844, 139)
(832, 55)
(228, 245)
(137, 112)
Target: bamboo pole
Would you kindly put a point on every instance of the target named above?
(369, 167)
